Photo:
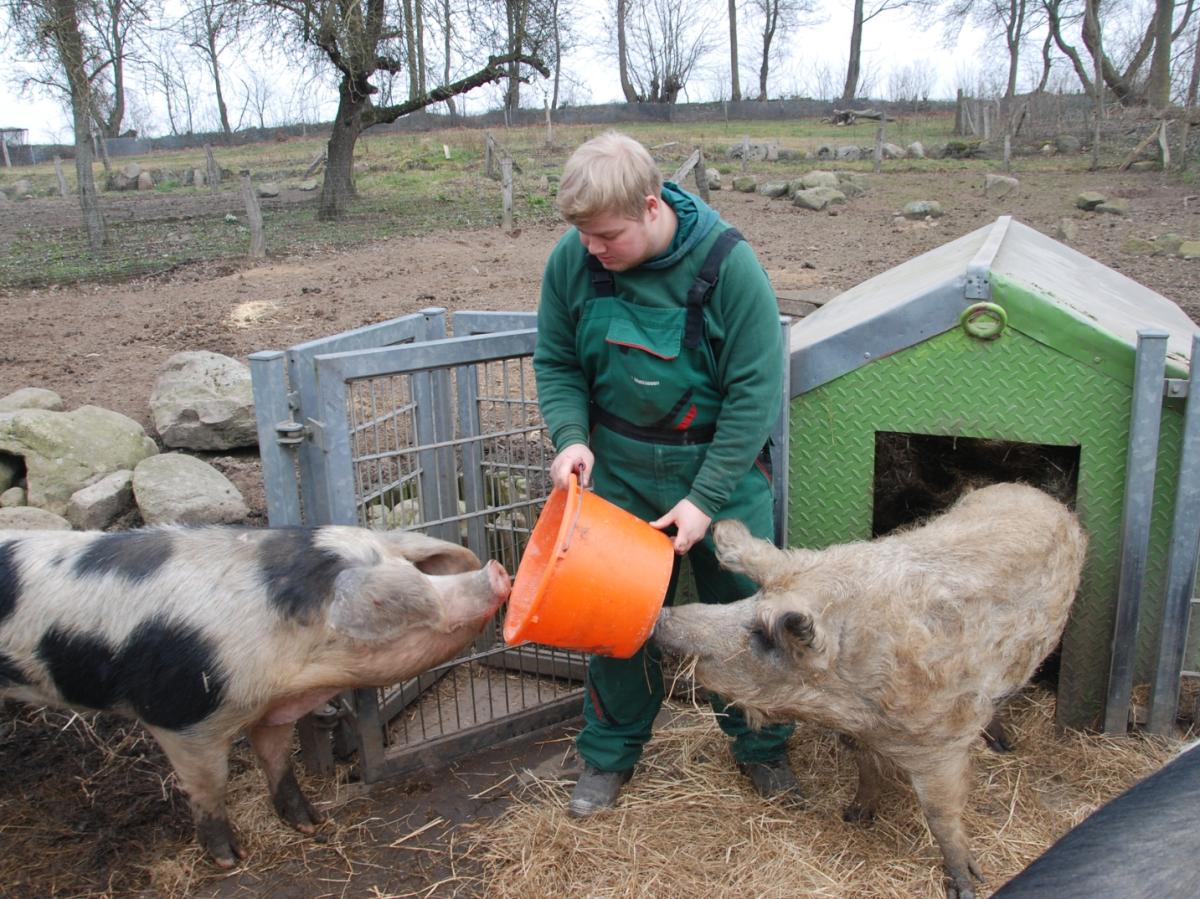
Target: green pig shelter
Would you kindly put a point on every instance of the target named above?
(1003, 355)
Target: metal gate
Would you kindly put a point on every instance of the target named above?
(397, 425)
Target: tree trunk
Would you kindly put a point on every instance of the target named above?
(623, 55)
(769, 26)
(447, 21)
(1052, 7)
(1120, 87)
(70, 52)
(410, 49)
(557, 54)
(1158, 84)
(117, 113)
(216, 73)
(338, 188)
(736, 92)
(852, 66)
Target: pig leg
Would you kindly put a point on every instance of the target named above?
(870, 783)
(273, 745)
(996, 736)
(942, 793)
(202, 766)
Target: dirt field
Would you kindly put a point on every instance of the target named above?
(91, 812)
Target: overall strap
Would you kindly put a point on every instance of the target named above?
(702, 287)
(601, 278)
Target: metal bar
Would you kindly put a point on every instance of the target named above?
(268, 380)
(446, 353)
(547, 661)
(1140, 467)
(397, 330)
(335, 470)
(1181, 564)
(468, 322)
(780, 439)
(978, 286)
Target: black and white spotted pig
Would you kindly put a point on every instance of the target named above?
(202, 633)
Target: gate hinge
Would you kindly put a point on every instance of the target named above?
(1175, 387)
(289, 433)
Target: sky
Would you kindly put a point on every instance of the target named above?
(890, 41)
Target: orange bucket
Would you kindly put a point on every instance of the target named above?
(593, 577)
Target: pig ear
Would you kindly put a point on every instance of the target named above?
(380, 602)
(738, 551)
(429, 554)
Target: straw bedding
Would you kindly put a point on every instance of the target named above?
(688, 826)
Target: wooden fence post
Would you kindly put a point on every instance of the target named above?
(506, 169)
(879, 147)
(549, 124)
(4, 149)
(258, 244)
(745, 153)
(1007, 151)
(701, 175)
(62, 182)
(489, 155)
(214, 172)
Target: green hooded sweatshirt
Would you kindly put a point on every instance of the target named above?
(734, 380)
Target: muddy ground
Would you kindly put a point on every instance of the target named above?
(87, 808)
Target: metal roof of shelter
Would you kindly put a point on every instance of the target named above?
(1045, 289)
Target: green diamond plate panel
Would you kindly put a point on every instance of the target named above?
(1013, 389)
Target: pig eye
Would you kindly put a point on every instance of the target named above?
(761, 640)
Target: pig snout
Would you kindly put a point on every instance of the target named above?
(499, 581)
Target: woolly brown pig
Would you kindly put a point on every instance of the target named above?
(906, 644)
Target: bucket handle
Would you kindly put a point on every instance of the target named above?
(573, 493)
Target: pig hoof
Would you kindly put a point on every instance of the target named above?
(293, 806)
(858, 814)
(216, 837)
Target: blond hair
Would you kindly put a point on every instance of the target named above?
(611, 173)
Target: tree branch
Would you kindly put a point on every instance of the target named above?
(493, 71)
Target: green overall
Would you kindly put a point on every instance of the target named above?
(649, 390)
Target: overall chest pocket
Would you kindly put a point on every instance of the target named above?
(646, 360)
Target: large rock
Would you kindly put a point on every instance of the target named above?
(66, 451)
(849, 153)
(32, 398)
(714, 178)
(268, 189)
(203, 401)
(145, 181)
(1090, 199)
(893, 151)
(13, 496)
(27, 518)
(996, 187)
(172, 488)
(916, 150)
(919, 209)
(1189, 249)
(97, 506)
(818, 178)
(817, 198)
(745, 184)
(21, 189)
(773, 189)
(126, 178)
(1117, 206)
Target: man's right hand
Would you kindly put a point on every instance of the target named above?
(575, 458)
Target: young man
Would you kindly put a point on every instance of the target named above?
(660, 390)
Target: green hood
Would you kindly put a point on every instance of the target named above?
(696, 219)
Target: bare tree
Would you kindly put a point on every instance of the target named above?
(1129, 79)
(776, 19)
(627, 88)
(1009, 18)
(912, 83)
(50, 31)
(359, 41)
(210, 27)
(863, 13)
(112, 23)
(665, 41)
(258, 93)
(166, 72)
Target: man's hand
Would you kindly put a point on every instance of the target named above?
(575, 458)
(691, 524)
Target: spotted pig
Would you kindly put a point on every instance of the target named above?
(204, 633)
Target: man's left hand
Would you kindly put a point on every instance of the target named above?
(691, 524)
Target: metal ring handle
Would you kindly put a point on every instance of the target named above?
(986, 321)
